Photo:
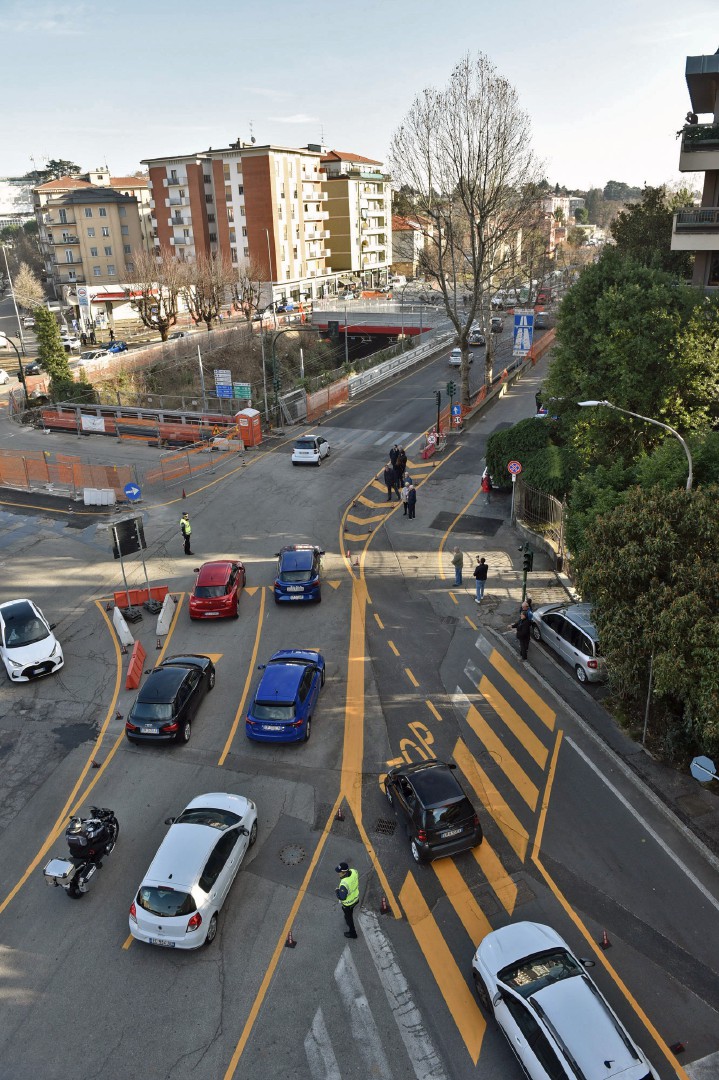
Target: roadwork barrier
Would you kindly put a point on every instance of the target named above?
(134, 670)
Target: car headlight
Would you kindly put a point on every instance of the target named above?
(56, 650)
(14, 663)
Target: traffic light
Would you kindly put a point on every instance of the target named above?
(527, 560)
(451, 389)
(276, 382)
(438, 395)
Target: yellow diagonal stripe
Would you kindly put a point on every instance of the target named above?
(525, 691)
(493, 802)
(514, 722)
(370, 503)
(496, 875)
(458, 997)
(252, 589)
(365, 520)
(514, 772)
(473, 919)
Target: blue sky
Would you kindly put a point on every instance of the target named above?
(603, 83)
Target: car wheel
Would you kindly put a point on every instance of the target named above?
(211, 680)
(211, 930)
(416, 853)
(294, 462)
(130, 739)
(580, 673)
(185, 731)
(253, 834)
(319, 598)
(388, 794)
(308, 729)
(319, 462)
(482, 992)
(535, 633)
(236, 612)
(328, 452)
(322, 677)
(74, 893)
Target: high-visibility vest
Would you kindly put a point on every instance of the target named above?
(351, 884)
(185, 526)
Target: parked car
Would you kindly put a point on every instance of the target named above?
(177, 335)
(437, 815)
(33, 368)
(476, 338)
(497, 324)
(217, 588)
(499, 299)
(455, 358)
(167, 704)
(285, 700)
(28, 647)
(71, 343)
(568, 629)
(298, 574)
(541, 320)
(179, 900)
(28, 322)
(117, 347)
(553, 1015)
(4, 377)
(93, 354)
(309, 450)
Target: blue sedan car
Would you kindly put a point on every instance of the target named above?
(284, 702)
(298, 573)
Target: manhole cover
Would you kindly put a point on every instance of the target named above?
(385, 827)
(292, 854)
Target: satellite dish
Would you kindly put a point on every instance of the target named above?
(253, 140)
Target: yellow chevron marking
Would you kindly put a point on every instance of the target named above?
(514, 772)
(493, 802)
(514, 722)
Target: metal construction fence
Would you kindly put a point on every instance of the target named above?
(542, 513)
(40, 470)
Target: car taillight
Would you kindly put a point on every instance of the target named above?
(421, 835)
(194, 924)
(297, 723)
(592, 663)
(129, 726)
(169, 727)
(133, 911)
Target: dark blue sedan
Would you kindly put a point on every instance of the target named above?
(284, 702)
(298, 573)
(117, 347)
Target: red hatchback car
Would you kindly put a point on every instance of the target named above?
(217, 590)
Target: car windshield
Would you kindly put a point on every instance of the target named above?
(530, 975)
(294, 576)
(443, 817)
(207, 815)
(305, 444)
(272, 711)
(207, 592)
(151, 710)
(21, 630)
(164, 901)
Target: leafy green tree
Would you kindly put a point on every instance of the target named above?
(51, 351)
(547, 463)
(581, 215)
(575, 236)
(643, 232)
(54, 169)
(617, 191)
(83, 393)
(649, 569)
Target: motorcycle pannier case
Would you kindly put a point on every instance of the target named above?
(59, 872)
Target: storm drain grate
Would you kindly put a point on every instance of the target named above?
(385, 827)
(292, 854)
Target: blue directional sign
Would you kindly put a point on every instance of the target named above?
(223, 391)
(523, 332)
(133, 492)
(456, 410)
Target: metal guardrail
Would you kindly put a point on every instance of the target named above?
(358, 383)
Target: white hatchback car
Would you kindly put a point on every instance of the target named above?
(309, 450)
(179, 900)
(455, 358)
(551, 1012)
(4, 377)
(28, 646)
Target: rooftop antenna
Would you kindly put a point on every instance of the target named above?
(253, 140)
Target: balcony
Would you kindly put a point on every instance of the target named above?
(53, 219)
(178, 219)
(65, 240)
(65, 279)
(177, 181)
(175, 200)
(76, 261)
(317, 234)
(311, 214)
(700, 148)
(696, 229)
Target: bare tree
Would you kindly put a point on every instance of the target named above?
(28, 290)
(248, 286)
(465, 150)
(205, 286)
(155, 293)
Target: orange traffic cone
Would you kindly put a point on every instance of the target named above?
(677, 1048)
(384, 906)
(183, 494)
(339, 816)
(605, 943)
(290, 943)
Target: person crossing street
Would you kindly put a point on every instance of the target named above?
(186, 530)
(348, 895)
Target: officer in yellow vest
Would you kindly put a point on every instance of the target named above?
(186, 530)
(348, 896)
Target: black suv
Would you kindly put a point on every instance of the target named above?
(437, 815)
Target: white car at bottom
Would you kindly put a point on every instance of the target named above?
(179, 900)
(309, 450)
(4, 377)
(552, 1013)
(28, 647)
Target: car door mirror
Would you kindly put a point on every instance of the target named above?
(196, 570)
(243, 831)
(587, 963)
(169, 821)
(53, 625)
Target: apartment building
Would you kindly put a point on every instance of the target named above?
(408, 244)
(359, 229)
(263, 207)
(697, 229)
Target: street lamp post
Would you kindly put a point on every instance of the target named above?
(269, 274)
(402, 310)
(648, 420)
(5, 340)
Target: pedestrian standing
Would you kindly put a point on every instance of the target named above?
(486, 486)
(83, 338)
(527, 608)
(403, 496)
(458, 563)
(186, 530)
(112, 335)
(480, 579)
(401, 465)
(411, 500)
(393, 455)
(390, 479)
(93, 339)
(348, 896)
(524, 630)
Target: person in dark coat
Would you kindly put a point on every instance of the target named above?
(393, 455)
(524, 631)
(390, 479)
(411, 500)
(400, 465)
(480, 579)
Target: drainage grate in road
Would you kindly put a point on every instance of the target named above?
(385, 827)
(292, 854)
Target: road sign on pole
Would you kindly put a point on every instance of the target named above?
(514, 467)
(523, 331)
(133, 492)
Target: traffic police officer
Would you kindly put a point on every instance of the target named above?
(348, 896)
(186, 530)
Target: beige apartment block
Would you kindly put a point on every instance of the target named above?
(359, 226)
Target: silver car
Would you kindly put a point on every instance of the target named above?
(568, 629)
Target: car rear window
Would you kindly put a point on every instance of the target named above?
(209, 592)
(165, 901)
(206, 815)
(530, 975)
(443, 817)
(305, 444)
(294, 576)
(151, 710)
(273, 711)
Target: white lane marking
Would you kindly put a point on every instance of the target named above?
(420, 1048)
(460, 700)
(473, 673)
(318, 1048)
(638, 817)
(706, 1068)
(364, 1029)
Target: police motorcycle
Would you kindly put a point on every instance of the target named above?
(89, 839)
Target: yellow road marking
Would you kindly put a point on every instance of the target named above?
(454, 598)
(473, 625)
(372, 504)
(378, 621)
(514, 772)
(214, 656)
(434, 712)
(353, 539)
(600, 955)
(411, 677)
(334, 584)
(493, 802)
(248, 680)
(473, 919)
(252, 589)
(458, 997)
(365, 520)
(496, 875)
(525, 691)
(534, 746)
(128, 941)
(444, 539)
(393, 647)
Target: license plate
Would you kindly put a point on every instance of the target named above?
(149, 731)
(297, 598)
(450, 832)
(272, 727)
(295, 588)
(161, 941)
(37, 671)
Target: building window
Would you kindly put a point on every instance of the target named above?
(88, 212)
(110, 269)
(71, 276)
(240, 189)
(226, 171)
(69, 257)
(90, 230)
(122, 211)
(211, 219)
(97, 271)
(233, 237)
(242, 211)
(173, 174)
(102, 212)
(230, 214)
(130, 267)
(182, 193)
(209, 199)
(239, 167)
(207, 178)
(244, 230)
(213, 237)
(247, 253)
(228, 194)
(63, 217)
(105, 230)
(93, 252)
(125, 230)
(127, 249)
(233, 254)
(186, 234)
